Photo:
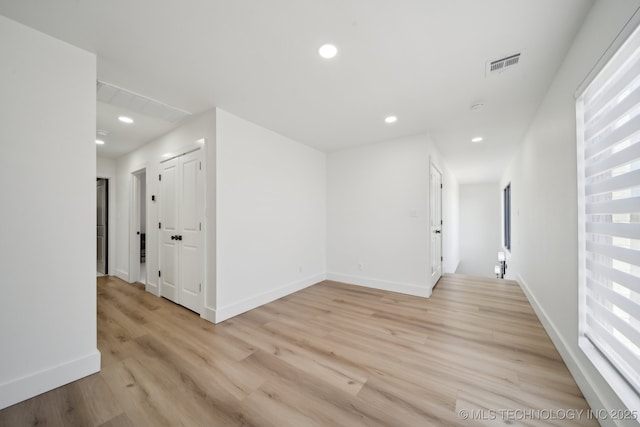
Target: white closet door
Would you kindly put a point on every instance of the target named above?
(169, 230)
(191, 247)
(181, 247)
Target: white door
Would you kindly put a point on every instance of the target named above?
(435, 204)
(101, 226)
(181, 241)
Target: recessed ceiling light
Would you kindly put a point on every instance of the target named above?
(125, 119)
(477, 139)
(99, 142)
(327, 51)
(390, 119)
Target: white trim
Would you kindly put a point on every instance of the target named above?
(209, 314)
(123, 275)
(622, 36)
(40, 382)
(402, 288)
(134, 239)
(603, 365)
(578, 370)
(198, 144)
(111, 218)
(151, 287)
(255, 301)
(432, 279)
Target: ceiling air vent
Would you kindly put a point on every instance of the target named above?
(114, 95)
(500, 65)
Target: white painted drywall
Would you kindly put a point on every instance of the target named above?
(106, 168)
(271, 218)
(149, 156)
(48, 191)
(544, 255)
(480, 219)
(378, 207)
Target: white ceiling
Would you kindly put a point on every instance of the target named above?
(422, 60)
(122, 138)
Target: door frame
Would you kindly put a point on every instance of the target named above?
(107, 225)
(198, 145)
(439, 192)
(134, 220)
(111, 215)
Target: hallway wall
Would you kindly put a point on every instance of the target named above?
(271, 215)
(544, 254)
(378, 215)
(48, 209)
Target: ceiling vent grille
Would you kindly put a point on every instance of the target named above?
(110, 94)
(500, 65)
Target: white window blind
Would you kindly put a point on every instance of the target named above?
(608, 114)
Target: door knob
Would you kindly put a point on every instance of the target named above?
(173, 237)
(179, 237)
(438, 231)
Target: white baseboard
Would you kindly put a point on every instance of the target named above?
(250, 303)
(573, 362)
(208, 314)
(152, 288)
(403, 288)
(457, 264)
(121, 274)
(40, 382)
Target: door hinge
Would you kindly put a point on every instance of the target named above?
(159, 273)
(200, 287)
(159, 226)
(200, 165)
(441, 259)
(200, 226)
(159, 177)
(440, 185)
(440, 222)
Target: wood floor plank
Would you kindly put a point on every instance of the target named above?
(331, 354)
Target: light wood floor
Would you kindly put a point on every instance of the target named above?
(329, 355)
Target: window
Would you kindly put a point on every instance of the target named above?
(608, 120)
(506, 201)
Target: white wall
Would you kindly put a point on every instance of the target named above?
(271, 221)
(374, 238)
(47, 186)
(149, 157)
(544, 203)
(106, 168)
(480, 220)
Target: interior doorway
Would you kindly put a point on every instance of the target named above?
(138, 244)
(181, 249)
(102, 226)
(435, 205)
